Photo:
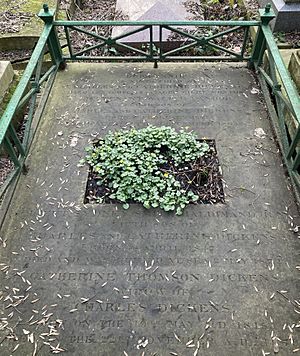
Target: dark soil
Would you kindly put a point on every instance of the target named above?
(15, 56)
(6, 166)
(217, 10)
(203, 177)
(94, 10)
(13, 19)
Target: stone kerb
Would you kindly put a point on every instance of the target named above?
(294, 68)
(6, 77)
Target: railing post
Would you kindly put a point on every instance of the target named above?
(53, 42)
(266, 15)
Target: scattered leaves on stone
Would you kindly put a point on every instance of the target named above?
(140, 166)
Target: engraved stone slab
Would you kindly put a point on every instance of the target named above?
(220, 279)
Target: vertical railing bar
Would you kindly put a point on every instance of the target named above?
(32, 101)
(12, 132)
(160, 42)
(279, 106)
(52, 52)
(29, 121)
(67, 32)
(246, 34)
(151, 41)
(39, 67)
(296, 162)
(11, 151)
(261, 52)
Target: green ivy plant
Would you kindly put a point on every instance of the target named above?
(140, 166)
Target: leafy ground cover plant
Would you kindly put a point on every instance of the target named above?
(155, 166)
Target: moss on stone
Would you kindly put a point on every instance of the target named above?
(34, 25)
(10, 92)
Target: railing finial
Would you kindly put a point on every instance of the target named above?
(268, 8)
(46, 8)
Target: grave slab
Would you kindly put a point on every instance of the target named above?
(155, 10)
(101, 281)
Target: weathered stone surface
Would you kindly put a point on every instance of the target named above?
(155, 10)
(30, 32)
(6, 76)
(222, 275)
(294, 68)
(137, 8)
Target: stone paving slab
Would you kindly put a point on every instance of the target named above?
(112, 281)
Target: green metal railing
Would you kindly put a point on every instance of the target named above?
(25, 99)
(154, 51)
(280, 92)
(192, 35)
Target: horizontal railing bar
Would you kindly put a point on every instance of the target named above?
(157, 58)
(157, 23)
(19, 92)
(207, 58)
